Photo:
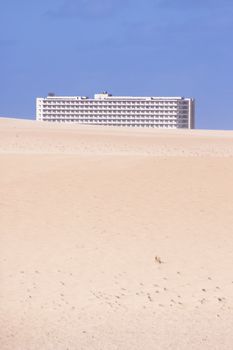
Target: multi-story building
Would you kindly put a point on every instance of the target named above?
(105, 109)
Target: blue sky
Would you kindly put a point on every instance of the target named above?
(128, 47)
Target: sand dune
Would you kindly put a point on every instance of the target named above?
(20, 136)
(115, 238)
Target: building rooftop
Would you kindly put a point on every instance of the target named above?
(106, 95)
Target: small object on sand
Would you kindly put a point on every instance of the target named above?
(158, 259)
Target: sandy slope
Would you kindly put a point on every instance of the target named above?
(84, 211)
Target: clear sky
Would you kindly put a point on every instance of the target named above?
(127, 47)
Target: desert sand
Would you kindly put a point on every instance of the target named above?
(115, 238)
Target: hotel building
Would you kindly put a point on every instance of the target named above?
(105, 109)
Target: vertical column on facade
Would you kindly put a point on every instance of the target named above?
(191, 113)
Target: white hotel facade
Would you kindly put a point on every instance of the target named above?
(122, 111)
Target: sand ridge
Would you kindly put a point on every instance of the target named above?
(54, 138)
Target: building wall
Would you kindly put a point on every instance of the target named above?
(104, 109)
